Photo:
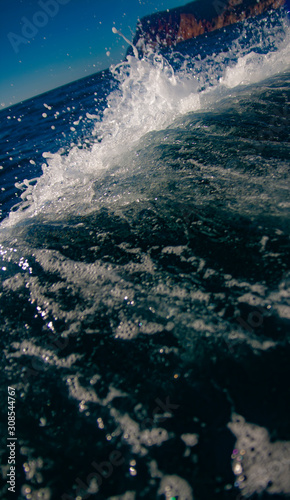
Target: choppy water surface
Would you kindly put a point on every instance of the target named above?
(145, 283)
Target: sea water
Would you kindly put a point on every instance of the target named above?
(144, 269)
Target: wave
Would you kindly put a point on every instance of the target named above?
(152, 93)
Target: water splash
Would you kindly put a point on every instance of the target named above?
(152, 92)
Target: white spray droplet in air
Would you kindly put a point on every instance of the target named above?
(117, 32)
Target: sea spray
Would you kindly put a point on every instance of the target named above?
(152, 92)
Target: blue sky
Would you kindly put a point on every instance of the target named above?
(47, 43)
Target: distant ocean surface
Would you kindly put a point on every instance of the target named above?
(144, 246)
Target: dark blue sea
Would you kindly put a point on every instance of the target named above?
(144, 300)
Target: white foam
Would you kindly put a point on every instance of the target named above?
(190, 439)
(138, 440)
(253, 67)
(150, 97)
(85, 395)
(175, 486)
(46, 356)
(126, 330)
(129, 495)
(266, 464)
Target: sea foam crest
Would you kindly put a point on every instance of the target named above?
(149, 97)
